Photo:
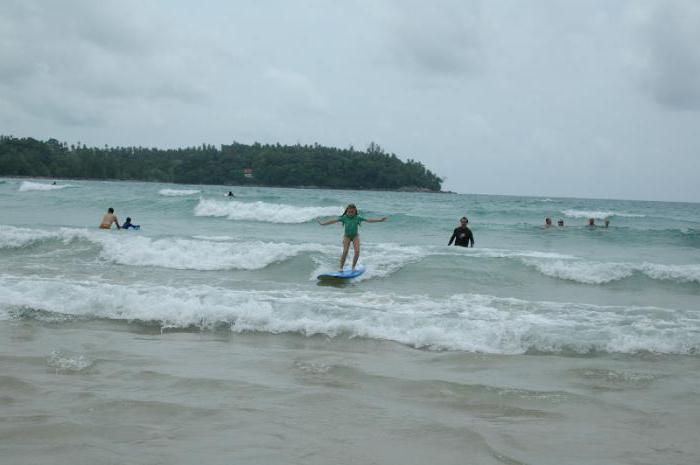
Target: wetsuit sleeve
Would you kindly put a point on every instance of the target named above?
(471, 237)
(454, 234)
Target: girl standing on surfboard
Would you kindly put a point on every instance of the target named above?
(351, 221)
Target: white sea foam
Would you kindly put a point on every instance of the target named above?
(505, 253)
(384, 259)
(600, 215)
(588, 272)
(683, 273)
(381, 260)
(178, 192)
(262, 211)
(187, 254)
(460, 322)
(582, 271)
(39, 186)
(170, 252)
(68, 362)
(214, 238)
(14, 237)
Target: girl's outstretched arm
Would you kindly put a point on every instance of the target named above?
(326, 223)
(376, 220)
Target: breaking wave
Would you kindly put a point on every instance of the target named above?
(466, 322)
(602, 273)
(382, 260)
(168, 252)
(39, 186)
(178, 192)
(262, 211)
(599, 215)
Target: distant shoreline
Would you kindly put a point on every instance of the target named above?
(270, 165)
(418, 190)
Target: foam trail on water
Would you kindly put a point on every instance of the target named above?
(38, 186)
(466, 322)
(262, 211)
(178, 192)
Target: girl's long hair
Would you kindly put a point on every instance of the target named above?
(350, 205)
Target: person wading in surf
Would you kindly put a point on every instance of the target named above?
(351, 221)
(462, 235)
(108, 219)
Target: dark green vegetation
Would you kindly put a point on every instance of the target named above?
(268, 165)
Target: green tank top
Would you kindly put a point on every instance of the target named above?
(351, 224)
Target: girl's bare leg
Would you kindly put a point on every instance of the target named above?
(356, 247)
(346, 247)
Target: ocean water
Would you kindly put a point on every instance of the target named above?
(205, 335)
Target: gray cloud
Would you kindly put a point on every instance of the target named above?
(76, 63)
(438, 39)
(502, 97)
(669, 60)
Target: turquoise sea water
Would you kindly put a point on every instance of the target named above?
(603, 305)
(548, 290)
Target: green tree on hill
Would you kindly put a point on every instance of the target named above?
(234, 164)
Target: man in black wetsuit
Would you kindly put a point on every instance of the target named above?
(462, 235)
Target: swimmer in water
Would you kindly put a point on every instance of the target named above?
(351, 221)
(127, 224)
(560, 223)
(591, 222)
(547, 222)
(462, 235)
(108, 219)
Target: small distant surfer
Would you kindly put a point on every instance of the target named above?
(591, 223)
(129, 225)
(351, 221)
(230, 194)
(108, 219)
(548, 222)
(560, 223)
(462, 235)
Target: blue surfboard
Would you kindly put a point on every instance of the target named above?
(347, 273)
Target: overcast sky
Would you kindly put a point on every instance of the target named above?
(589, 98)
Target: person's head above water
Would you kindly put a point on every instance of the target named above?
(463, 221)
(110, 210)
(128, 219)
(591, 221)
(350, 210)
(560, 223)
(548, 221)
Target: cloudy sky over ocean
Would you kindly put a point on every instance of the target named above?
(556, 98)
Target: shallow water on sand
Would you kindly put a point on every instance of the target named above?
(205, 335)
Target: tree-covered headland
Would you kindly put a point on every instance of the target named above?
(234, 164)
